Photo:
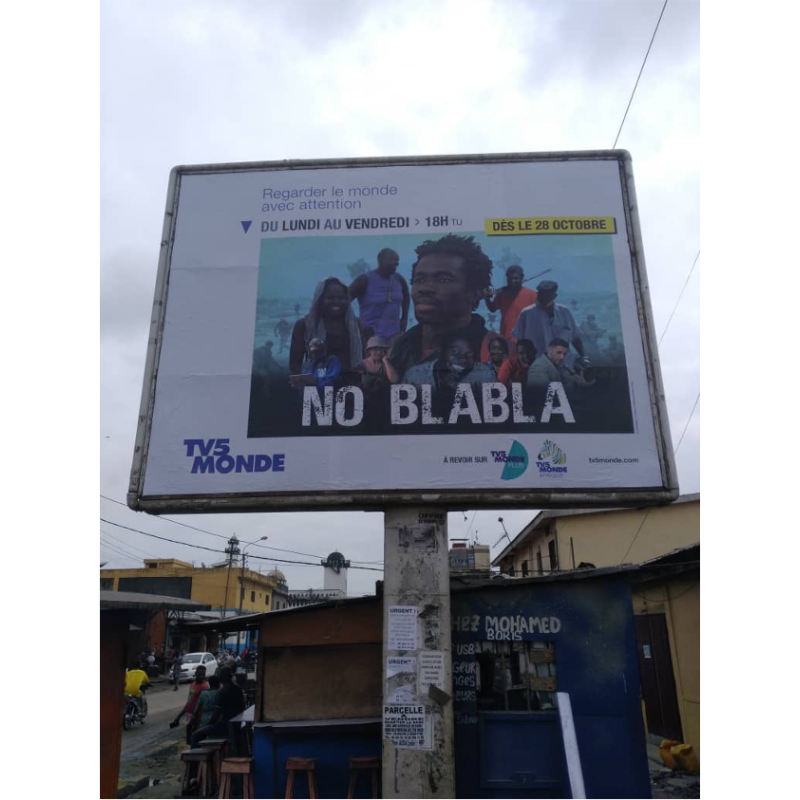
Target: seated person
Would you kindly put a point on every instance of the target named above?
(321, 370)
(373, 368)
(135, 680)
(455, 365)
(228, 703)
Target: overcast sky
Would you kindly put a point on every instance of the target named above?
(202, 82)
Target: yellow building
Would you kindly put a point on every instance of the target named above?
(666, 605)
(565, 539)
(226, 589)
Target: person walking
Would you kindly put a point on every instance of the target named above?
(198, 685)
(175, 675)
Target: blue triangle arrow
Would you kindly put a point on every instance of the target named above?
(246, 225)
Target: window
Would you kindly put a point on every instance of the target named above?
(524, 569)
(551, 551)
(266, 599)
(511, 571)
(516, 676)
(252, 597)
(539, 566)
(152, 566)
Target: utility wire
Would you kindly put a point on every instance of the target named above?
(472, 523)
(647, 513)
(113, 545)
(126, 544)
(270, 559)
(111, 549)
(686, 427)
(625, 116)
(219, 535)
(666, 327)
(636, 535)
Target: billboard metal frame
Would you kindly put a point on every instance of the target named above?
(368, 500)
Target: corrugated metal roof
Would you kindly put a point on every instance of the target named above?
(247, 621)
(113, 601)
(543, 516)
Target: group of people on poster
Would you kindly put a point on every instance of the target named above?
(539, 340)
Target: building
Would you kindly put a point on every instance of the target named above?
(515, 645)
(280, 594)
(666, 602)
(470, 559)
(335, 568)
(663, 541)
(227, 588)
(122, 616)
(561, 540)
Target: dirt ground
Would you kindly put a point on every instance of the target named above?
(668, 784)
(151, 757)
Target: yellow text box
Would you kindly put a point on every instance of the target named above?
(532, 226)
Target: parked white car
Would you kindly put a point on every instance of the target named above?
(191, 661)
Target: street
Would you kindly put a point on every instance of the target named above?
(152, 750)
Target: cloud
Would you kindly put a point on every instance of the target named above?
(200, 82)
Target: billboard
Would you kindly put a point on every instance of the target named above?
(455, 330)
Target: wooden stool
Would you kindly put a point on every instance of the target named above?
(238, 765)
(201, 757)
(301, 765)
(358, 765)
(218, 749)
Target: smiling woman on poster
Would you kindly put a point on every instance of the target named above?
(332, 320)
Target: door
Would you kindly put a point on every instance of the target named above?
(656, 676)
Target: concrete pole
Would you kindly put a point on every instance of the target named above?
(418, 755)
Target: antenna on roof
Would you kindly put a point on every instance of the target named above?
(505, 533)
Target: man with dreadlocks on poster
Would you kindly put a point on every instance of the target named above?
(332, 321)
(447, 283)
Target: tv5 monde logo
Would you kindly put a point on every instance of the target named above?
(515, 461)
(551, 460)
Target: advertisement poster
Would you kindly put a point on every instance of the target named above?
(431, 669)
(408, 726)
(408, 327)
(401, 629)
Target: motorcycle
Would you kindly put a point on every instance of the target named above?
(135, 710)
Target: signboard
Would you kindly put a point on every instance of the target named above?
(407, 726)
(401, 630)
(353, 334)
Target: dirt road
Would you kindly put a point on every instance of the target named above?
(153, 750)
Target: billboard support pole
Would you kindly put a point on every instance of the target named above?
(418, 754)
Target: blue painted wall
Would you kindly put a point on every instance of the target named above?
(519, 754)
(332, 746)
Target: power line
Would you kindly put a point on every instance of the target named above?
(128, 545)
(219, 535)
(636, 535)
(270, 559)
(472, 523)
(106, 546)
(625, 115)
(686, 427)
(113, 545)
(666, 327)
